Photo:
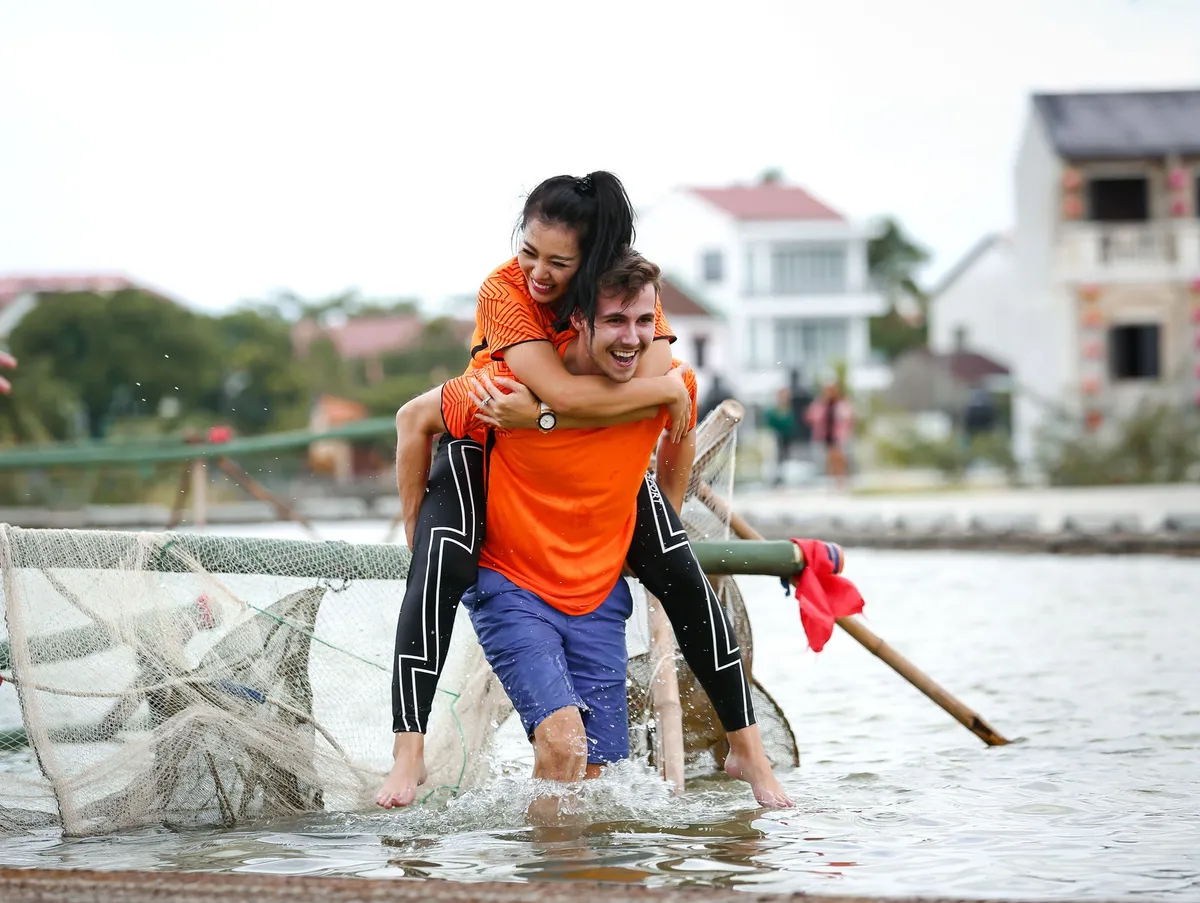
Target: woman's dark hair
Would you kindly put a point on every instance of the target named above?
(598, 210)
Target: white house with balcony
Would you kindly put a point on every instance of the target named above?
(1094, 302)
(787, 273)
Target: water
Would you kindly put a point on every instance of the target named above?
(1089, 664)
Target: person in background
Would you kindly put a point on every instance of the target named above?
(979, 417)
(9, 362)
(832, 420)
(717, 393)
(781, 420)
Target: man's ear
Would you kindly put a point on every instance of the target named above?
(578, 321)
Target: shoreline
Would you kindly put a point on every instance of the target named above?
(1112, 520)
(129, 886)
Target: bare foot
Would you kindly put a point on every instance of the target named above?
(407, 774)
(747, 761)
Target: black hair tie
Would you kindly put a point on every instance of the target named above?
(584, 185)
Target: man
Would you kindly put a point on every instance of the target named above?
(561, 509)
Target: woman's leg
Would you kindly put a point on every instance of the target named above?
(661, 557)
(444, 565)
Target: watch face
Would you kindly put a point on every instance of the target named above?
(547, 421)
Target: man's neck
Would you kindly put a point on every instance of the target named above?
(578, 362)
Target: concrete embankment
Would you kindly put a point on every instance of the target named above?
(1092, 520)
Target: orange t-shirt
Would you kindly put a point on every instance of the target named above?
(561, 505)
(507, 315)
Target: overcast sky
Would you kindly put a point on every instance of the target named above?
(220, 150)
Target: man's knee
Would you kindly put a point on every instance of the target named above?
(560, 746)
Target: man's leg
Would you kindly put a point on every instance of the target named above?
(598, 659)
(522, 638)
(444, 565)
(661, 557)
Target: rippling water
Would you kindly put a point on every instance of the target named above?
(1091, 664)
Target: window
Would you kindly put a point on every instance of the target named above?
(807, 270)
(700, 346)
(713, 264)
(1133, 351)
(1119, 200)
(812, 346)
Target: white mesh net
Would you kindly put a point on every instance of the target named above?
(186, 679)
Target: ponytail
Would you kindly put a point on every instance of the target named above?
(597, 208)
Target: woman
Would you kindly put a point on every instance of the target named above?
(832, 422)
(572, 230)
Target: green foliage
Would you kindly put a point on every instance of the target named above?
(121, 353)
(951, 455)
(892, 335)
(264, 386)
(44, 409)
(104, 364)
(289, 306)
(1157, 444)
(893, 259)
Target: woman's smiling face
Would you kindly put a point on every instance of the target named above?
(549, 257)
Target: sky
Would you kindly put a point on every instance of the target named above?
(222, 151)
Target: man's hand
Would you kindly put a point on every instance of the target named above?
(681, 408)
(514, 409)
(6, 360)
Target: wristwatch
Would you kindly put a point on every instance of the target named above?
(547, 419)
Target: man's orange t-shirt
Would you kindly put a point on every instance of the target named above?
(561, 505)
(507, 315)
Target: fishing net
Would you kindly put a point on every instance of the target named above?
(188, 679)
(704, 745)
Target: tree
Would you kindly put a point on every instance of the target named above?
(122, 352)
(264, 386)
(893, 259)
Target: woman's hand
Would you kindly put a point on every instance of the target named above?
(514, 409)
(681, 408)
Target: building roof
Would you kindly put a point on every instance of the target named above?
(677, 302)
(965, 366)
(363, 336)
(768, 201)
(1122, 124)
(13, 286)
(968, 260)
(970, 366)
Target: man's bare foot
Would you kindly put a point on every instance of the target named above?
(747, 761)
(407, 774)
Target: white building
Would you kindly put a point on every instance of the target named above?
(787, 272)
(701, 333)
(1094, 305)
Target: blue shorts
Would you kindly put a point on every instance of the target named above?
(548, 660)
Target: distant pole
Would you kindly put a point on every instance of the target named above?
(199, 492)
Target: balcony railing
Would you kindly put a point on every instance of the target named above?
(1155, 250)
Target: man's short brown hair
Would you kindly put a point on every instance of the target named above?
(629, 275)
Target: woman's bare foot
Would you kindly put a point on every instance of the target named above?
(747, 761)
(407, 774)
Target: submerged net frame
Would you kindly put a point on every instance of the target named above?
(189, 679)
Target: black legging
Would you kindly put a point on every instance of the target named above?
(445, 563)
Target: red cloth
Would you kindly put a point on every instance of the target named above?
(824, 594)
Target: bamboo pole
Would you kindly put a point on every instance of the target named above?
(961, 713)
(664, 693)
(180, 503)
(185, 552)
(199, 472)
(257, 490)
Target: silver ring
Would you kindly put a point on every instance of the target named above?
(486, 400)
